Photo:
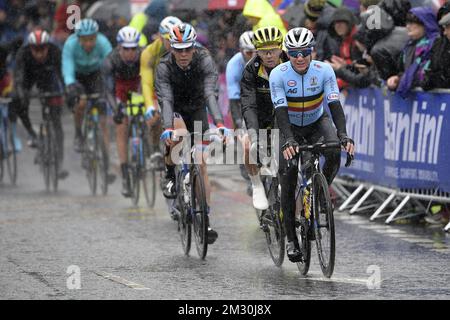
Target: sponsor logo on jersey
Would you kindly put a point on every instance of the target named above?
(313, 89)
(284, 68)
(279, 101)
(313, 81)
(317, 66)
(292, 83)
(292, 91)
(333, 96)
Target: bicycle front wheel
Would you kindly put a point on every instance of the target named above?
(148, 176)
(323, 224)
(184, 218)
(53, 157)
(102, 158)
(44, 151)
(134, 172)
(199, 213)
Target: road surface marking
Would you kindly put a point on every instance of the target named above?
(317, 276)
(361, 222)
(122, 281)
(417, 240)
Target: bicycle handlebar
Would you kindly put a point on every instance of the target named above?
(317, 148)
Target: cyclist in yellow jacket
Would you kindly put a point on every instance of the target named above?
(150, 58)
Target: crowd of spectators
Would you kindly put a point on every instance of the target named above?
(389, 41)
(393, 43)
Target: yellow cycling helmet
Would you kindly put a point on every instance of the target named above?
(267, 36)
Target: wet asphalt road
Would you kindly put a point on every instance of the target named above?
(124, 252)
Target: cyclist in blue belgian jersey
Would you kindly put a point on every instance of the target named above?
(299, 90)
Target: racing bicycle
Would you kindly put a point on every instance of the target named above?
(95, 158)
(48, 153)
(314, 210)
(141, 169)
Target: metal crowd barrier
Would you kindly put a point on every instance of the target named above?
(383, 202)
(376, 199)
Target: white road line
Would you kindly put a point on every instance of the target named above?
(312, 276)
(446, 250)
(375, 227)
(394, 231)
(417, 240)
(400, 235)
(355, 222)
(390, 232)
(122, 281)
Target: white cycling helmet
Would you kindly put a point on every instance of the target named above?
(245, 41)
(128, 37)
(182, 36)
(299, 38)
(167, 24)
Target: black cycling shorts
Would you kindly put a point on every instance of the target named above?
(199, 116)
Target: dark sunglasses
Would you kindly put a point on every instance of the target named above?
(300, 52)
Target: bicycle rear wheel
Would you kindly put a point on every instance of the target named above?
(272, 223)
(323, 224)
(11, 157)
(305, 246)
(199, 213)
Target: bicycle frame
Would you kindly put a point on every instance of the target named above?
(137, 129)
